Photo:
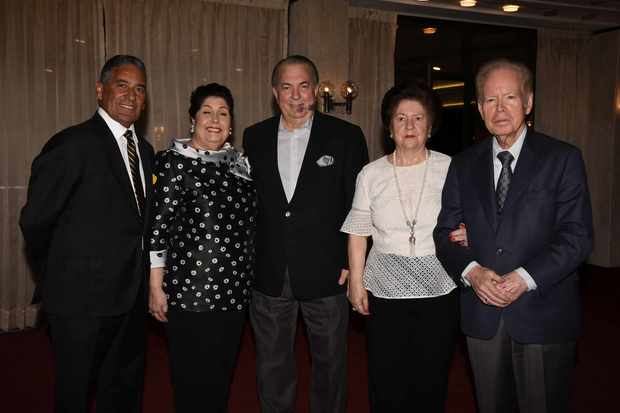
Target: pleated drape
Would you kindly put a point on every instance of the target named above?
(185, 43)
(51, 52)
(563, 84)
(372, 38)
(577, 100)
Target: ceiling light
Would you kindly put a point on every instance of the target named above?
(429, 30)
(448, 85)
(453, 104)
(436, 68)
(510, 8)
(467, 3)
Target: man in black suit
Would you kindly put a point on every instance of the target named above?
(524, 199)
(305, 165)
(85, 220)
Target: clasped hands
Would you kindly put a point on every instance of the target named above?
(496, 290)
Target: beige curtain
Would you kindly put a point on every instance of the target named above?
(562, 97)
(50, 52)
(562, 85)
(575, 101)
(185, 43)
(372, 38)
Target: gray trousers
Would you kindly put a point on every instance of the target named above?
(274, 320)
(529, 378)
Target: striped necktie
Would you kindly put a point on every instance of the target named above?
(134, 168)
(505, 176)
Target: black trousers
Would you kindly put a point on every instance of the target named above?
(530, 378)
(274, 320)
(410, 348)
(102, 353)
(203, 349)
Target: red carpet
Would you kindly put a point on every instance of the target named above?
(26, 367)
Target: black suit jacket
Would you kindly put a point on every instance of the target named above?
(82, 223)
(304, 235)
(545, 227)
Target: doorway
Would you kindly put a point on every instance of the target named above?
(446, 55)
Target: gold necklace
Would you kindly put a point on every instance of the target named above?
(411, 223)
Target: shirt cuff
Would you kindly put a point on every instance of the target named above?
(466, 271)
(531, 284)
(158, 259)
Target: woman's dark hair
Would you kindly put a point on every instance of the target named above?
(410, 91)
(211, 90)
(418, 92)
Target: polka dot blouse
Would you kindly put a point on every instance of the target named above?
(203, 227)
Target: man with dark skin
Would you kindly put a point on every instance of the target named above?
(85, 220)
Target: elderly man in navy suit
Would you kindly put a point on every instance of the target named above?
(524, 199)
(87, 212)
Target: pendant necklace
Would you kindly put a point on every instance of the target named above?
(411, 222)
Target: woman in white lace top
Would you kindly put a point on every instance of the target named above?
(410, 300)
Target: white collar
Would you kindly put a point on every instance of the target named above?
(116, 128)
(307, 125)
(515, 149)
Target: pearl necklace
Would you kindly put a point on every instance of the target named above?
(411, 222)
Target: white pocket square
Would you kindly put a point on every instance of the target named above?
(325, 160)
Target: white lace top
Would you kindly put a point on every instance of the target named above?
(391, 271)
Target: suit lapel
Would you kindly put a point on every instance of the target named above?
(484, 182)
(271, 159)
(313, 150)
(115, 159)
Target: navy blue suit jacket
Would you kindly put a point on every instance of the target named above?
(545, 227)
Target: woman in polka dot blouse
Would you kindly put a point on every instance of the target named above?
(202, 252)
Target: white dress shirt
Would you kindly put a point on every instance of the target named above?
(118, 131)
(515, 151)
(292, 146)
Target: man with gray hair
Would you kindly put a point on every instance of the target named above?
(85, 219)
(304, 164)
(524, 199)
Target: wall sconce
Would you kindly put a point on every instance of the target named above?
(349, 91)
(326, 92)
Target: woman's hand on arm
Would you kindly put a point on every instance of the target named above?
(459, 235)
(357, 294)
(158, 303)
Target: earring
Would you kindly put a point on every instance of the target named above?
(229, 131)
(192, 128)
